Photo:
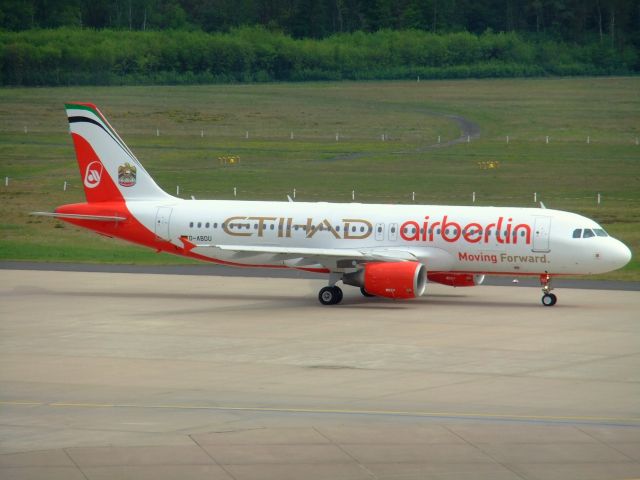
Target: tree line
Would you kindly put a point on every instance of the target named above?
(616, 21)
(71, 56)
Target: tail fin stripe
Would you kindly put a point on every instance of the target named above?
(102, 122)
(90, 120)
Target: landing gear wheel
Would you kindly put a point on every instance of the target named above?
(549, 299)
(365, 293)
(330, 295)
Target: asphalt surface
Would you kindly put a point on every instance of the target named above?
(118, 375)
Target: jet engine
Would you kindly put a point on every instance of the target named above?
(456, 279)
(390, 279)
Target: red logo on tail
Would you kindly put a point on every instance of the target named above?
(93, 174)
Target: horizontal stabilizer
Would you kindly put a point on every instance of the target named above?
(78, 216)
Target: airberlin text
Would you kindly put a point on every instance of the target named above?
(501, 231)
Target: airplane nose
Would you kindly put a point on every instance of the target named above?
(621, 255)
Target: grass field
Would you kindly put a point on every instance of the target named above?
(197, 125)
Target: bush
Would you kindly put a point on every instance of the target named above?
(69, 56)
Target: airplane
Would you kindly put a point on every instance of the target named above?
(388, 251)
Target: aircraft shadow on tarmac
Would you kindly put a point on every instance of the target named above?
(249, 299)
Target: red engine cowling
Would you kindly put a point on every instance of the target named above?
(456, 279)
(394, 279)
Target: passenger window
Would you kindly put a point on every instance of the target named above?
(393, 230)
(588, 233)
(190, 224)
(199, 224)
(206, 225)
(337, 228)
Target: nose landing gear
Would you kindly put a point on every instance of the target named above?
(548, 299)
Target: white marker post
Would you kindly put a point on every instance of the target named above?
(535, 197)
(382, 137)
(294, 193)
(246, 134)
(6, 181)
(235, 192)
(468, 138)
(353, 195)
(64, 186)
(201, 133)
(291, 136)
(599, 198)
(588, 139)
(438, 138)
(507, 139)
(546, 139)
(473, 197)
(413, 196)
(157, 132)
(177, 190)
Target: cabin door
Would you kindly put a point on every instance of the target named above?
(162, 223)
(541, 234)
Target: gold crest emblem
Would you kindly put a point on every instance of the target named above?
(127, 175)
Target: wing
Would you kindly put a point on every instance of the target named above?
(330, 258)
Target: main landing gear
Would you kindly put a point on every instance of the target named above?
(548, 299)
(330, 295)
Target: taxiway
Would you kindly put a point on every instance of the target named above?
(106, 375)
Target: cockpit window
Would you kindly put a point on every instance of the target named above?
(588, 233)
(577, 233)
(600, 232)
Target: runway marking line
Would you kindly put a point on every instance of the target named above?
(488, 416)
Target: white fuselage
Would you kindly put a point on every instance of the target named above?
(493, 240)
